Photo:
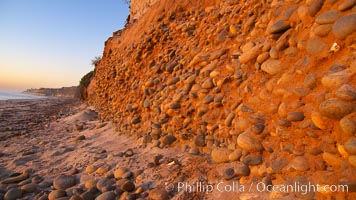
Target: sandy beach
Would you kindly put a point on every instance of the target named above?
(59, 148)
(68, 152)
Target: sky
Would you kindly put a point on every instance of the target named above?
(50, 43)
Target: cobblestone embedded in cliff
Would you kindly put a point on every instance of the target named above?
(266, 85)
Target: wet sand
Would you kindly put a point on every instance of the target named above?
(21, 117)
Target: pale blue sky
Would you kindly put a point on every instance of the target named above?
(50, 43)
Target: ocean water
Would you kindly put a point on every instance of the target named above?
(17, 95)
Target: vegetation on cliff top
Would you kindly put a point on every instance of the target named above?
(84, 83)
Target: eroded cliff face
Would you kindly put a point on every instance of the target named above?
(139, 7)
(269, 85)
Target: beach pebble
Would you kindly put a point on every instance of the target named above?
(279, 27)
(36, 179)
(229, 118)
(323, 30)
(285, 123)
(208, 99)
(174, 105)
(128, 196)
(146, 103)
(173, 80)
(208, 84)
(199, 141)
(168, 139)
(250, 54)
(314, 7)
(15, 179)
(127, 175)
(22, 183)
(104, 184)
(335, 108)
(190, 79)
(249, 45)
(119, 172)
(135, 120)
(75, 190)
(229, 173)
(318, 120)
(79, 138)
(336, 68)
(332, 159)
(300, 163)
(346, 92)
(248, 142)
(158, 194)
(272, 67)
(348, 125)
(29, 188)
(129, 152)
(45, 184)
(350, 146)
(262, 57)
(90, 169)
(156, 159)
(63, 182)
(241, 169)
(295, 116)
(55, 194)
(90, 184)
(87, 196)
(336, 79)
(110, 195)
(328, 17)
(220, 155)
(235, 155)
(344, 26)
(128, 186)
(75, 197)
(43, 197)
(258, 128)
(102, 170)
(273, 53)
(252, 159)
(346, 4)
(13, 194)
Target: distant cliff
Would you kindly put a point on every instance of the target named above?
(63, 92)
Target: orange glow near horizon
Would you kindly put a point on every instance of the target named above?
(51, 43)
(19, 79)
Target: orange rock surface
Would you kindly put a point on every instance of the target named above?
(280, 72)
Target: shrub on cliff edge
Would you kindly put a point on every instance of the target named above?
(84, 83)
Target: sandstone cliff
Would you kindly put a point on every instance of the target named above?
(139, 7)
(267, 84)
